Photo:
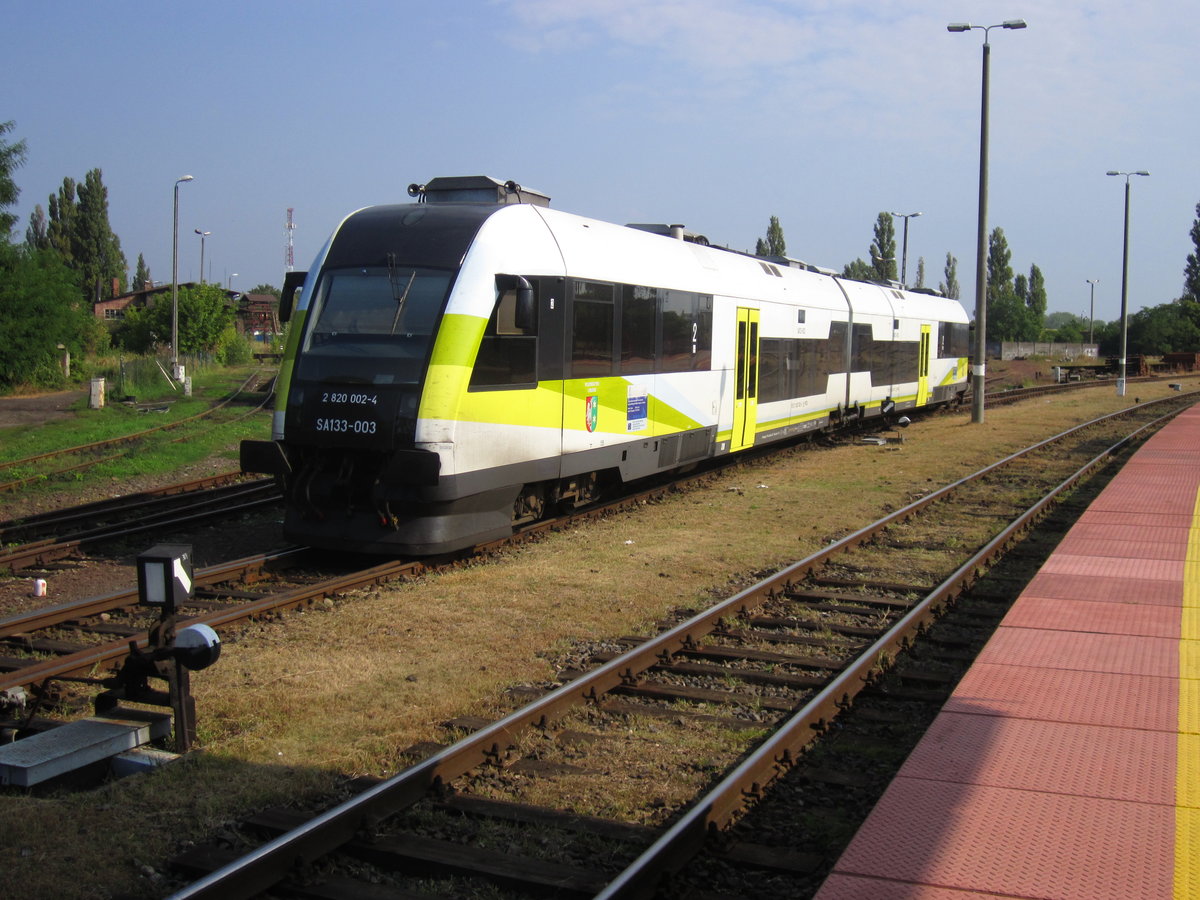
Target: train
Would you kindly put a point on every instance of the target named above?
(474, 360)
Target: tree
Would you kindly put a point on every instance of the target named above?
(1007, 312)
(204, 312)
(920, 282)
(1007, 320)
(40, 308)
(882, 268)
(39, 305)
(883, 248)
(1167, 328)
(1035, 301)
(1057, 320)
(949, 287)
(265, 289)
(36, 235)
(999, 268)
(859, 271)
(80, 231)
(1067, 328)
(774, 244)
(61, 230)
(99, 257)
(1016, 307)
(1191, 271)
(12, 157)
(1071, 333)
(141, 277)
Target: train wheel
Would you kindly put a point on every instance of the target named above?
(581, 490)
(589, 489)
(530, 504)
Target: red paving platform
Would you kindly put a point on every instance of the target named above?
(1067, 762)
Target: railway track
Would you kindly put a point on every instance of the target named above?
(40, 539)
(40, 646)
(691, 703)
(88, 455)
(1015, 395)
(73, 641)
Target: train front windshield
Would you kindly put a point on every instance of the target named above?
(372, 325)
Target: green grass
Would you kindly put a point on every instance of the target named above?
(116, 419)
(189, 442)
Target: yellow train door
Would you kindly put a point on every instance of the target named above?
(923, 365)
(745, 398)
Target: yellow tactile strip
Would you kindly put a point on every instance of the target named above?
(1187, 771)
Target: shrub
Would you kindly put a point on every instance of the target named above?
(233, 349)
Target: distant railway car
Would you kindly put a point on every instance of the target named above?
(471, 361)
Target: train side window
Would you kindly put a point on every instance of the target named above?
(593, 311)
(798, 367)
(772, 369)
(686, 331)
(638, 329)
(835, 349)
(508, 352)
(702, 333)
(957, 340)
(861, 354)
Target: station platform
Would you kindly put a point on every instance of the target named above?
(1067, 762)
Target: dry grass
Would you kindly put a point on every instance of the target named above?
(344, 690)
(632, 769)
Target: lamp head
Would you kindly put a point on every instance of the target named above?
(959, 26)
(1013, 23)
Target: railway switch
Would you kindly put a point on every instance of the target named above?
(165, 582)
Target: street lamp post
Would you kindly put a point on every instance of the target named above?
(1124, 286)
(979, 363)
(904, 252)
(1092, 309)
(175, 283)
(203, 235)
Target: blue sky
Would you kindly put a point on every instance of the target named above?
(716, 114)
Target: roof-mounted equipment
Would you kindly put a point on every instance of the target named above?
(476, 189)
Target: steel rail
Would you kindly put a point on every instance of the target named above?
(114, 442)
(125, 503)
(274, 860)
(776, 755)
(41, 552)
(1013, 395)
(87, 659)
(105, 653)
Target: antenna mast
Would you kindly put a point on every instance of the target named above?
(289, 257)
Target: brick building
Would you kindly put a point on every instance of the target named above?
(256, 313)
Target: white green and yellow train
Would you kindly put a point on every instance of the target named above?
(474, 360)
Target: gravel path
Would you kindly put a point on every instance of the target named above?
(34, 409)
